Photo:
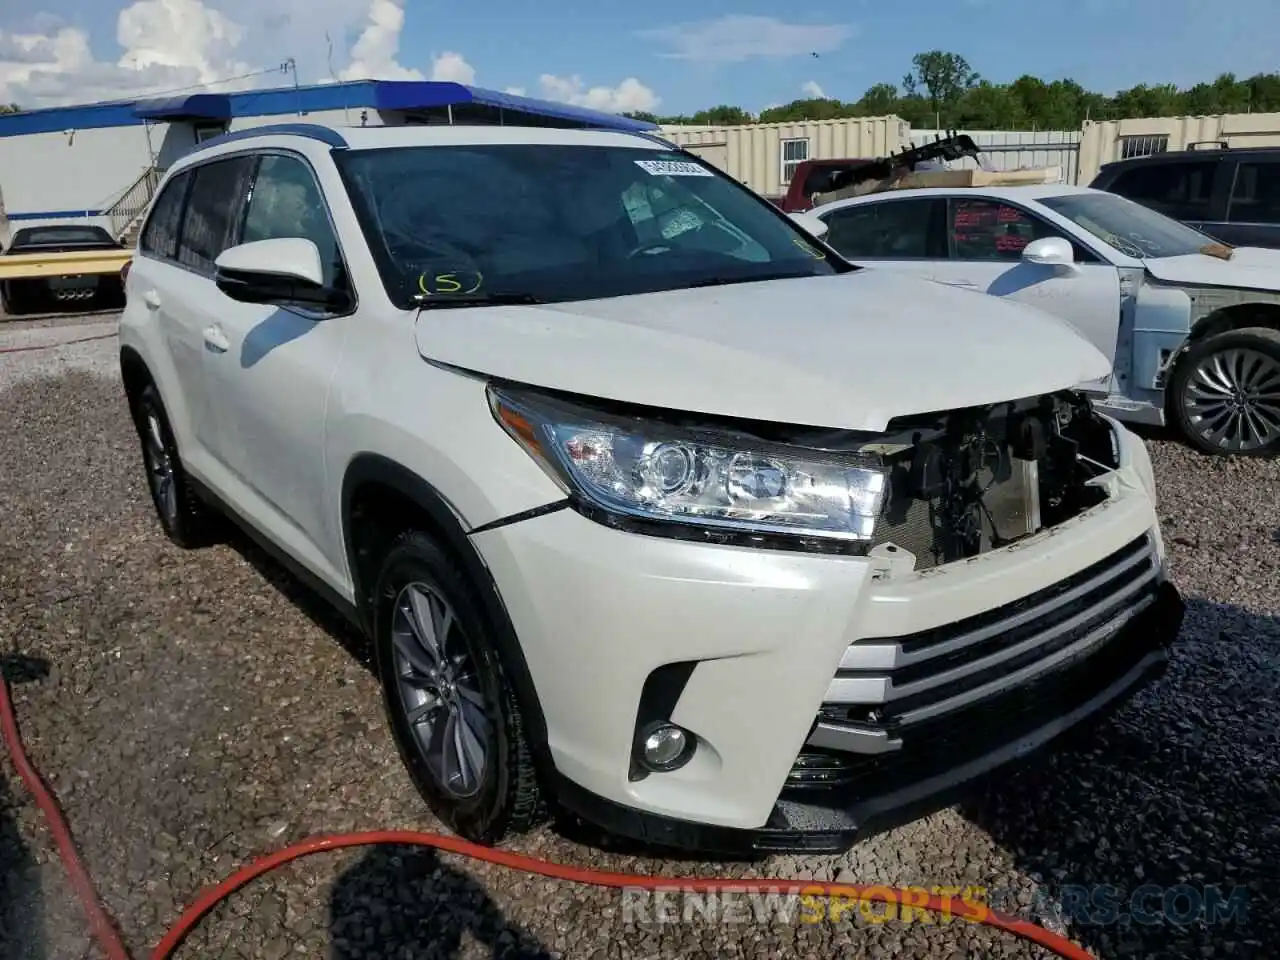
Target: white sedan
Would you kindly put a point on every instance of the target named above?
(1193, 336)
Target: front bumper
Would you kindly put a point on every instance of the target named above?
(775, 660)
(831, 820)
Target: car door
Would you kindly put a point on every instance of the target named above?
(271, 367)
(1253, 211)
(171, 292)
(985, 239)
(904, 234)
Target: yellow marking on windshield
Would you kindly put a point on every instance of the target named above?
(446, 283)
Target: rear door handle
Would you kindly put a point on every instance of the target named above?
(216, 340)
(151, 299)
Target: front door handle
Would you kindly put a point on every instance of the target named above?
(216, 340)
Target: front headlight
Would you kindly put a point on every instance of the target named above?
(698, 476)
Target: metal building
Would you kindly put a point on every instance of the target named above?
(762, 155)
(100, 163)
(1109, 140)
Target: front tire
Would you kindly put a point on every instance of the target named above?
(1225, 393)
(186, 520)
(452, 712)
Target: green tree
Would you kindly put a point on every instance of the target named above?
(943, 78)
(943, 88)
(10, 108)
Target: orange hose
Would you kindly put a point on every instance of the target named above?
(114, 948)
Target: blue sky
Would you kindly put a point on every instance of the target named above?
(690, 55)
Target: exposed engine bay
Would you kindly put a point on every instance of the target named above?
(968, 481)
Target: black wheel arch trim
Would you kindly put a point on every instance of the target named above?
(375, 468)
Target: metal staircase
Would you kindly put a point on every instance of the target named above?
(127, 212)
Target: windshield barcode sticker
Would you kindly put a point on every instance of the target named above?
(674, 168)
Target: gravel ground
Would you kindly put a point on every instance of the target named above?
(199, 709)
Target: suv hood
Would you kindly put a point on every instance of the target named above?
(1250, 268)
(850, 351)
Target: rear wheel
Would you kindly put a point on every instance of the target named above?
(1225, 393)
(453, 714)
(186, 520)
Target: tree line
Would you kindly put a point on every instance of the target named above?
(942, 91)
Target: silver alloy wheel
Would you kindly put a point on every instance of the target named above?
(1232, 399)
(160, 468)
(440, 690)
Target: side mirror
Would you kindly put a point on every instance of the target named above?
(1050, 252)
(281, 271)
(816, 227)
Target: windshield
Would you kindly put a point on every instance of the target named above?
(536, 222)
(1131, 228)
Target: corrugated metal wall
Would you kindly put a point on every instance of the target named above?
(1109, 140)
(753, 153)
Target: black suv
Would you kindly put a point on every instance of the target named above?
(1232, 195)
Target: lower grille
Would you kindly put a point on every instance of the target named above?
(955, 739)
(886, 688)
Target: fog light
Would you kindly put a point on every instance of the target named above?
(666, 747)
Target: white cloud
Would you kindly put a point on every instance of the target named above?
(374, 55)
(737, 37)
(515, 91)
(810, 88)
(454, 67)
(628, 96)
(171, 45)
(190, 45)
(166, 44)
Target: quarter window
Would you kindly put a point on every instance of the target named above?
(160, 238)
(286, 202)
(893, 230)
(1255, 197)
(216, 192)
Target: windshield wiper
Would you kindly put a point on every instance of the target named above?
(476, 300)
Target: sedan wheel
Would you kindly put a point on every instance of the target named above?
(1226, 393)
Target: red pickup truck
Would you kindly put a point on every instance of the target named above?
(810, 177)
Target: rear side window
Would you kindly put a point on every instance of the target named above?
(894, 230)
(1255, 196)
(160, 238)
(1179, 190)
(216, 194)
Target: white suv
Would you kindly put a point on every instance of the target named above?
(651, 504)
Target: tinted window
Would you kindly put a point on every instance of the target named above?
(565, 222)
(1132, 229)
(160, 238)
(287, 202)
(895, 230)
(211, 210)
(42, 236)
(1255, 197)
(1178, 190)
(983, 229)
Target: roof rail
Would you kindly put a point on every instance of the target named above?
(312, 131)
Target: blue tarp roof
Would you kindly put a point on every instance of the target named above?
(281, 101)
